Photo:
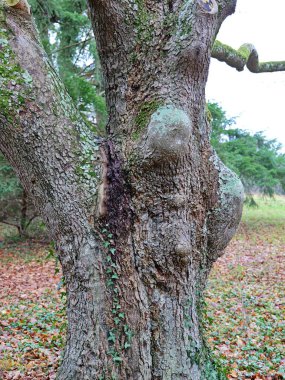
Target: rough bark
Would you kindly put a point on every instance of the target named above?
(138, 218)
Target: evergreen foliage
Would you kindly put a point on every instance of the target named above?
(16, 208)
(67, 37)
(256, 160)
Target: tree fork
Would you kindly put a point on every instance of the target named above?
(138, 218)
(149, 328)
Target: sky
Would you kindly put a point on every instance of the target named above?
(257, 100)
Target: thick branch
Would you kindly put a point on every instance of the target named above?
(247, 56)
(41, 133)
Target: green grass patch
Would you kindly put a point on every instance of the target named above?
(269, 211)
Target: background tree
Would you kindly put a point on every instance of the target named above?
(16, 209)
(255, 159)
(67, 36)
(140, 216)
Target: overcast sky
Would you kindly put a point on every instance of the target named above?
(257, 99)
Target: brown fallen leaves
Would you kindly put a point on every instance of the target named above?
(26, 281)
(245, 318)
(31, 315)
(245, 301)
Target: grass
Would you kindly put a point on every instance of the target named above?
(269, 211)
(265, 222)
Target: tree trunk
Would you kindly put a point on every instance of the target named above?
(23, 214)
(140, 217)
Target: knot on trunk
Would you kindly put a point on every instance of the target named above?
(224, 218)
(167, 135)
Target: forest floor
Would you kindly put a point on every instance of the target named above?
(244, 313)
(245, 298)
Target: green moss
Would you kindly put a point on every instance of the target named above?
(243, 52)
(185, 27)
(134, 57)
(15, 83)
(225, 48)
(143, 23)
(143, 117)
(170, 23)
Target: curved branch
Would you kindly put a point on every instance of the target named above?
(247, 56)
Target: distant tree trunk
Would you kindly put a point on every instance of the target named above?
(23, 216)
(139, 217)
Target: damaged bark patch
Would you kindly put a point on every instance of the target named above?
(117, 213)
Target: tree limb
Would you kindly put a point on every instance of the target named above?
(30, 220)
(71, 45)
(247, 56)
(8, 223)
(42, 134)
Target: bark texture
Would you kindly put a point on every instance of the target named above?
(139, 217)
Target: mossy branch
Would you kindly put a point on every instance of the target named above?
(247, 56)
(19, 4)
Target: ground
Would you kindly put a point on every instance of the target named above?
(244, 309)
(245, 314)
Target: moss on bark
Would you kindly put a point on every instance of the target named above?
(15, 82)
(143, 117)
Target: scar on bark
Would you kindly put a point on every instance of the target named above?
(113, 197)
(103, 187)
(19, 4)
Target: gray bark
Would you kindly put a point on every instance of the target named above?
(140, 217)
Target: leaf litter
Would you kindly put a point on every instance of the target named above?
(245, 297)
(244, 319)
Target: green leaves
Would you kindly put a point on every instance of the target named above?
(256, 160)
(68, 39)
(119, 335)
